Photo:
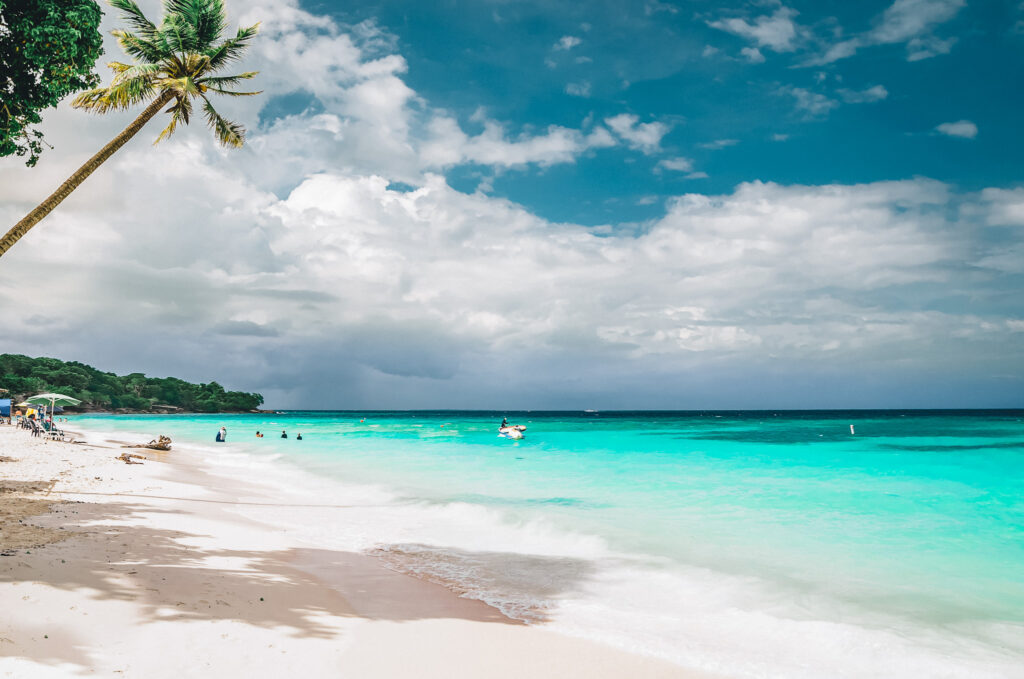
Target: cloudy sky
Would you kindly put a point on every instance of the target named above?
(555, 204)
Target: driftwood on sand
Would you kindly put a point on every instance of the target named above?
(129, 458)
(162, 443)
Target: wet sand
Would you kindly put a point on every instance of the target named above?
(143, 570)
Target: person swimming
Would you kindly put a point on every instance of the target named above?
(283, 434)
(258, 434)
(299, 437)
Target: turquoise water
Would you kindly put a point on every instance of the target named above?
(907, 536)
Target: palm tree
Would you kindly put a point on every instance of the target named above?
(174, 64)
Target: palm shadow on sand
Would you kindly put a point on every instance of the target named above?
(295, 590)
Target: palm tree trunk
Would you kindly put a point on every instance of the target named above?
(55, 199)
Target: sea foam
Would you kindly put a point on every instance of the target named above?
(569, 566)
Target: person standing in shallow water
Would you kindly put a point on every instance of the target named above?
(283, 434)
(299, 437)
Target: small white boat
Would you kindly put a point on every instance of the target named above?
(513, 431)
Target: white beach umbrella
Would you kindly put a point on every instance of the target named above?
(53, 400)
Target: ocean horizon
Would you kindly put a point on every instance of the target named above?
(752, 543)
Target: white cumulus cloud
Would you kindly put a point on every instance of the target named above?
(645, 137)
(813, 104)
(330, 264)
(961, 128)
(871, 94)
(905, 21)
(718, 144)
(581, 89)
(567, 42)
(778, 31)
(679, 164)
(753, 55)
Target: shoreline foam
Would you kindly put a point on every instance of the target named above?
(597, 594)
(160, 577)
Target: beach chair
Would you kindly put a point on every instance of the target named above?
(54, 432)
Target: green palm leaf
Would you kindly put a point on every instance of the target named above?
(176, 60)
(180, 112)
(205, 16)
(222, 80)
(232, 93)
(173, 63)
(233, 49)
(134, 17)
(150, 52)
(228, 133)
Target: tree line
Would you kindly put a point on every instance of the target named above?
(23, 376)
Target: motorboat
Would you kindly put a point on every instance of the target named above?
(512, 431)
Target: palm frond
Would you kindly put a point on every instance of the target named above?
(196, 63)
(122, 71)
(232, 93)
(181, 112)
(122, 94)
(167, 41)
(131, 13)
(179, 34)
(210, 23)
(183, 87)
(206, 17)
(147, 51)
(222, 80)
(91, 100)
(167, 131)
(228, 133)
(232, 49)
(118, 67)
(173, 60)
(185, 109)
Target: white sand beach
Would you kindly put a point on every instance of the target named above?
(143, 570)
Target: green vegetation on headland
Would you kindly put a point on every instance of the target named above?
(23, 376)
